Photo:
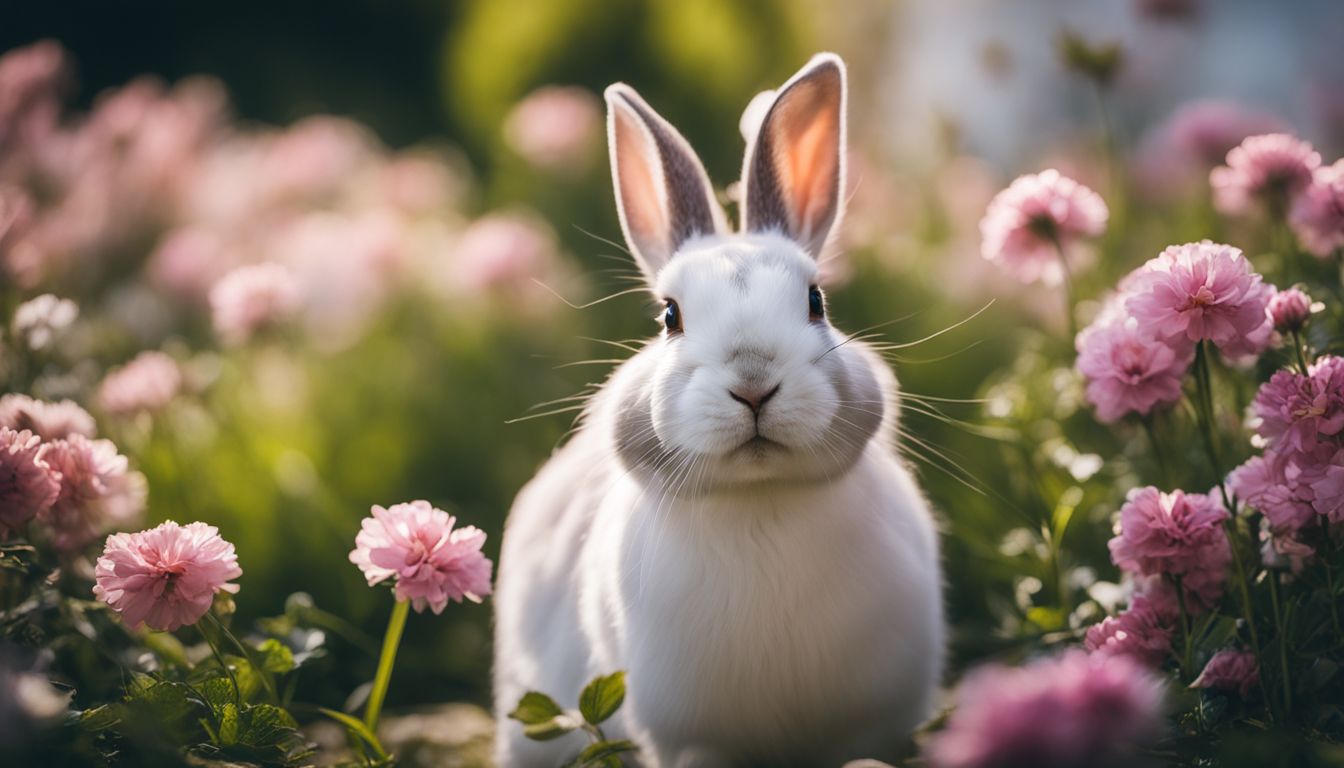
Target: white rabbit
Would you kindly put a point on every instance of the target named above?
(732, 524)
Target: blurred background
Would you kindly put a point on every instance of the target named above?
(434, 177)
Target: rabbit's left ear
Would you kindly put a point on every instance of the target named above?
(794, 171)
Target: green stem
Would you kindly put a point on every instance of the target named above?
(391, 640)
(267, 679)
(1297, 350)
(1068, 287)
(1327, 555)
(1187, 660)
(1147, 421)
(1283, 646)
(219, 658)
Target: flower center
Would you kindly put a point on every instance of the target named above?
(1201, 298)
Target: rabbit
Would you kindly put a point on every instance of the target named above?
(732, 523)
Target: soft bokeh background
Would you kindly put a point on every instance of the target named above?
(456, 205)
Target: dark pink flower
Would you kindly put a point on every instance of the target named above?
(1296, 411)
(1322, 471)
(1201, 291)
(1177, 534)
(28, 487)
(1289, 310)
(416, 545)
(147, 383)
(49, 421)
(1270, 170)
(1318, 215)
(1025, 221)
(1140, 631)
(1229, 670)
(1127, 370)
(166, 577)
(1263, 484)
(1067, 712)
(98, 491)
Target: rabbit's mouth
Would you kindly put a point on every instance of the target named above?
(760, 445)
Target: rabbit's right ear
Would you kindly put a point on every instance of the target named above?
(662, 192)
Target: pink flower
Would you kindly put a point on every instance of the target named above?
(147, 383)
(1140, 631)
(1230, 670)
(166, 577)
(555, 128)
(251, 298)
(1297, 412)
(27, 485)
(49, 421)
(1323, 473)
(1129, 371)
(503, 251)
(1207, 130)
(1270, 170)
(1289, 310)
(432, 563)
(1262, 482)
(1318, 215)
(1071, 711)
(1173, 534)
(1202, 291)
(1283, 550)
(1025, 221)
(98, 492)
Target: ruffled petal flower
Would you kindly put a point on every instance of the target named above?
(28, 486)
(1025, 221)
(1269, 171)
(166, 577)
(1230, 670)
(430, 562)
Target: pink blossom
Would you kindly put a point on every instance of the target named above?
(1065, 712)
(98, 491)
(1175, 534)
(503, 251)
(1262, 482)
(1289, 310)
(251, 298)
(1140, 631)
(28, 487)
(166, 577)
(49, 421)
(1207, 130)
(1230, 670)
(416, 545)
(1318, 215)
(1201, 291)
(31, 81)
(1297, 412)
(1025, 221)
(149, 382)
(1129, 371)
(555, 127)
(1283, 550)
(1270, 170)
(187, 261)
(1322, 471)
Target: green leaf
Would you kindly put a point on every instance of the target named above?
(602, 697)
(604, 753)
(356, 727)
(228, 725)
(217, 692)
(542, 718)
(276, 657)
(102, 718)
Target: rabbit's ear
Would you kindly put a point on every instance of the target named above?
(662, 192)
(794, 171)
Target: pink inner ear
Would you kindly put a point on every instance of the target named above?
(812, 171)
(640, 185)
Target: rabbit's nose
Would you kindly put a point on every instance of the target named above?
(755, 399)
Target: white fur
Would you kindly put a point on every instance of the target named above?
(769, 583)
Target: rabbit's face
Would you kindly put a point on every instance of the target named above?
(755, 384)
(749, 382)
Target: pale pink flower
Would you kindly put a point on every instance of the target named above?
(309, 162)
(31, 81)
(252, 298)
(1173, 534)
(503, 251)
(49, 421)
(1202, 291)
(98, 491)
(1297, 411)
(1140, 631)
(28, 487)
(1206, 130)
(556, 128)
(1270, 171)
(1289, 310)
(1318, 215)
(1067, 712)
(166, 577)
(149, 382)
(1127, 370)
(1230, 670)
(1024, 223)
(187, 261)
(416, 545)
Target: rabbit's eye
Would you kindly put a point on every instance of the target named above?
(672, 317)
(815, 305)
